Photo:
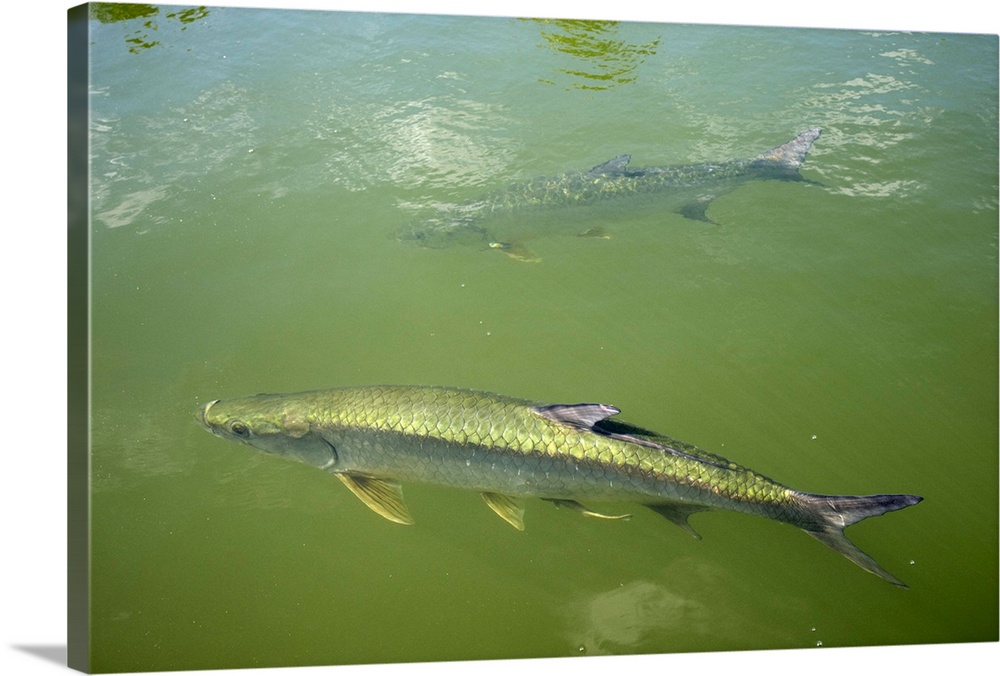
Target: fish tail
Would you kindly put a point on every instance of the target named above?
(790, 156)
(833, 513)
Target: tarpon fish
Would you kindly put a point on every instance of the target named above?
(375, 438)
(687, 189)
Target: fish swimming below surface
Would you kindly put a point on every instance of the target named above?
(375, 438)
(686, 189)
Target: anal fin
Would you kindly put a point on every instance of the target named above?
(577, 507)
(679, 513)
(382, 496)
(509, 509)
(696, 210)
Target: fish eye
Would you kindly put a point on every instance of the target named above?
(239, 428)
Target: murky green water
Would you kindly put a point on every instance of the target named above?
(250, 169)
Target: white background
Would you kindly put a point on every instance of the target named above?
(33, 329)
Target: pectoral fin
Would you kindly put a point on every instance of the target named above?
(577, 507)
(510, 509)
(383, 497)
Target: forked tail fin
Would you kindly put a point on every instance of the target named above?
(788, 157)
(834, 513)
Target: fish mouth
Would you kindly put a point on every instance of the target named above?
(202, 415)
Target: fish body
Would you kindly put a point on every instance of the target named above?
(687, 189)
(374, 439)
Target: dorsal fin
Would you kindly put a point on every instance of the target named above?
(616, 165)
(587, 417)
(577, 415)
(649, 443)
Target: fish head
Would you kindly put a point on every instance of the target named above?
(269, 423)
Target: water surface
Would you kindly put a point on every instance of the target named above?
(250, 170)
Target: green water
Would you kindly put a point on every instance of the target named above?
(249, 171)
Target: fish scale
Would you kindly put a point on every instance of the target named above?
(687, 189)
(376, 438)
(516, 437)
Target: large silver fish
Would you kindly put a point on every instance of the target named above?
(688, 189)
(375, 438)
